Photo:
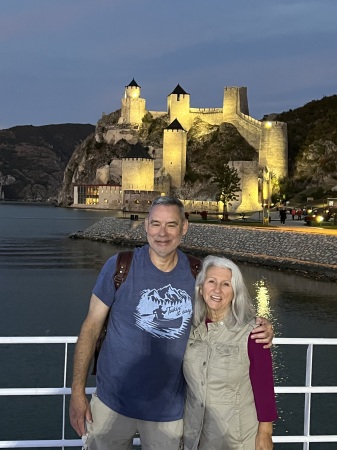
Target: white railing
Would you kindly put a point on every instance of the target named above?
(308, 390)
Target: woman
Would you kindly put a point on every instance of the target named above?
(230, 402)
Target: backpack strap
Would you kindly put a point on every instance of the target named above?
(123, 263)
(195, 265)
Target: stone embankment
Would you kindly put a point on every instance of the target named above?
(313, 255)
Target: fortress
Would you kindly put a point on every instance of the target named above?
(143, 177)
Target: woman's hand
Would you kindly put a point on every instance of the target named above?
(263, 439)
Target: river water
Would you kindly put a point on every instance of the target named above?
(46, 280)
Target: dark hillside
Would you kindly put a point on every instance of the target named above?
(315, 121)
(32, 159)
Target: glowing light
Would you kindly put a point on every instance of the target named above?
(319, 219)
(268, 125)
(262, 299)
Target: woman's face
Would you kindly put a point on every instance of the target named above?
(217, 292)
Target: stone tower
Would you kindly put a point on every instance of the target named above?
(235, 100)
(133, 107)
(138, 170)
(178, 106)
(274, 148)
(174, 153)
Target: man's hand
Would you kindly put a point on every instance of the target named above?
(263, 332)
(79, 413)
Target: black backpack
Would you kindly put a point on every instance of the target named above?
(123, 264)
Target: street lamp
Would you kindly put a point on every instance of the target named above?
(266, 180)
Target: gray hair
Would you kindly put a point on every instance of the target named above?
(169, 201)
(242, 311)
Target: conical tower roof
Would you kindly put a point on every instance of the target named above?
(179, 90)
(133, 83)
(175, 125)
(138, 151)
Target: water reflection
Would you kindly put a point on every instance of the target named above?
(262, 298)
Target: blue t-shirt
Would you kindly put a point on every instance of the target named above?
(139, 372)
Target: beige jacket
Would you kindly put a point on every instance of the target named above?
(220, 410)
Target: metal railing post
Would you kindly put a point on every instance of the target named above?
(64, 385)
(307, 401)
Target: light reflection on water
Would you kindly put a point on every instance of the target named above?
(46, 279)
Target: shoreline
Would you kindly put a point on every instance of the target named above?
(309, 255)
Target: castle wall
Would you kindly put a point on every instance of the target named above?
(157, 114)
(214, 116)
(235, 100)
(110, 197)
(174, 155)
(196, 206)
(249, 128)
(139, 201)
(114, 134)
(248, 197)
(98, 196)
(138, 174)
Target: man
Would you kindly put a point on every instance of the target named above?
(140, 385)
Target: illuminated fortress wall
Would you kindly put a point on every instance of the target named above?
(248, 197)
(138, 174)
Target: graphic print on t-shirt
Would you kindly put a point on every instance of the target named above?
(164, 312)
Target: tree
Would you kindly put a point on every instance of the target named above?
(228, 181)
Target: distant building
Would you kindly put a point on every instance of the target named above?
(98, 195)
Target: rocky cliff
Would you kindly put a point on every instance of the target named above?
(33, 159)
(205, 143)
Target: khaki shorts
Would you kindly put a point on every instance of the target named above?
(112, 431)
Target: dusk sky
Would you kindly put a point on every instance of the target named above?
(67, 61)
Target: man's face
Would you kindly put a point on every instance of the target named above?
(165, 229)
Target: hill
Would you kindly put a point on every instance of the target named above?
(33, 159)
(312, 143)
